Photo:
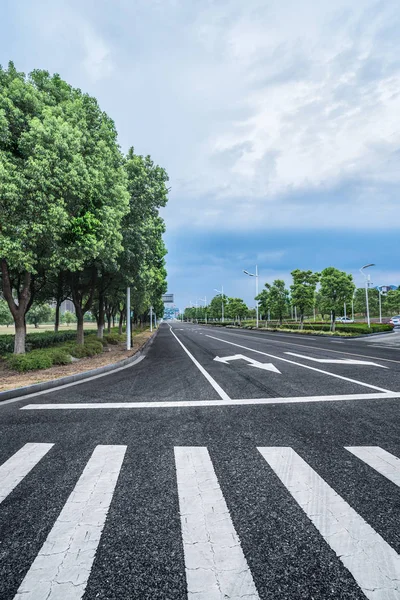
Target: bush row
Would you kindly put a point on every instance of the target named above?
(47, 357)
(35, 341)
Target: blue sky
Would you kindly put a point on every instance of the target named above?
(277, 121)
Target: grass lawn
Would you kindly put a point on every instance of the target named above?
(45, 327)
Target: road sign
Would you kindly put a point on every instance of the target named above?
(253, 363)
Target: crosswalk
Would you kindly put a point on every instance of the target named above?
(216, 565)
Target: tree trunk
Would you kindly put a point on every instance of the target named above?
(301, 320)
(333, 323)
(19, 310)
(20, 335)
(121, 320)
(57, 319)
(80, 338)
(100, 318)
(108, 323)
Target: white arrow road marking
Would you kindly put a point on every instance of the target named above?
(338, 361)
(253, 363)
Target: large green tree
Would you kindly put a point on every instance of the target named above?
(302, 291)
(278, 299)
(337, 287)
(236, 308)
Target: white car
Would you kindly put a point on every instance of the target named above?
(344, 320)
(395, 321)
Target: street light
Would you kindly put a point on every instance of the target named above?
(205, 305)
(222, 296)
(256, 276)
(367, 280)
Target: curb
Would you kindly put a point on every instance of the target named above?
(55, 383)
(264, 330)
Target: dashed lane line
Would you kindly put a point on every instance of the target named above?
(13, 471)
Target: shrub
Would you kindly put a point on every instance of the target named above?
(36, 359)
(114, 338)
(94, 338)
(35, 341)
(60, 356)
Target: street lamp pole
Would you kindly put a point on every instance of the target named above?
(205, 305)
(367, 279)
(256, 276)
(222, 300)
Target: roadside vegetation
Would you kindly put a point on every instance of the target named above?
(311, 304)
(78, 219)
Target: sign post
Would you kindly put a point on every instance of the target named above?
(151, 318)
(128, 318)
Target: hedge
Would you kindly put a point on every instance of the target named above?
(35, 341)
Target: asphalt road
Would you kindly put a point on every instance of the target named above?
(272, 472)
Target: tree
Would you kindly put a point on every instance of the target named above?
(278, 299)
(236, 308)
(39, 313)
(303, 291)
(68, 317)
(216, 306)
(337, 287)
(5, 314)
(393, 301)
(264, 303)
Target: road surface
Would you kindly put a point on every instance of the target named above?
(226, 464)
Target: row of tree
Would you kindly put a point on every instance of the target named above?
(78, 219)
(327, 293)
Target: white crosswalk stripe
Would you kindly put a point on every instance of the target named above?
(385, 463)
(216, 567)
(13, 471)
(61, 569)
(372, 562)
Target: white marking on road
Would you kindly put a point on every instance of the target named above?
(210, 379)
(385, 463)
(372, 562)
(205, 403)
(368, 385)
(338, 361)
(19, 465)
(67, 385)
(215, 565)
(63, 565)
(253, 363)
(261, 336)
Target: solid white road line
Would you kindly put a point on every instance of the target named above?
(385, 463)
(207, 403)
(210, 380)
(368, 385)
(372, 562)
(274, 340)
(67, 385)
(337, 361)
(19, 465)
(215, 565)
(62, 567)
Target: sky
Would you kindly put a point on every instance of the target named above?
(276, 120)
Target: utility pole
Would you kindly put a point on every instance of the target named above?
(128, 318)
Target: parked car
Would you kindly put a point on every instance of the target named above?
(395, 321)
(344, 320)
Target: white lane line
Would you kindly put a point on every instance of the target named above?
(63, 565)
(215, 565)
(273, 340)
(338, 361)
(210, 379)
(368, 385)
(372, 562)
(19, 465)
(385, 463)
(67, 385)
(216, 403)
